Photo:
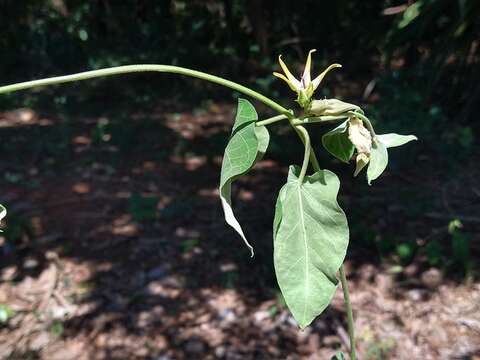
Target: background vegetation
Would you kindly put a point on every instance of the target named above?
(414, 65)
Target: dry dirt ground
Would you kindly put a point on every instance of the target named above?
(93, 275)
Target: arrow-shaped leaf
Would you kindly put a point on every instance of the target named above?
(310, 242)
(246, 146)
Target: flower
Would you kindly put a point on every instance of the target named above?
(362, 140)
(305, 87)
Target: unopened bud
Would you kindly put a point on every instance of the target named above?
(361, 160)
(332, 107)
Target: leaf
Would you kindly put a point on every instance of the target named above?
(393, 140)
(410, 14)
(3, 212)
(310, 242)
(5, 313)
(379, 154)
(338, 144)
(246, 146)
(338, 356)
(378, 161)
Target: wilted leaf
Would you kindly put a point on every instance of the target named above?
(378, 161)
(246, 146)
(310, 242)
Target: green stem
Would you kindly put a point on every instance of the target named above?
(348, 305)
(306, 157)
(145, 68)
(320, 119)
(313, 157)
(271, 120)
(365, 120)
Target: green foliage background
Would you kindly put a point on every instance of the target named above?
(424, 60)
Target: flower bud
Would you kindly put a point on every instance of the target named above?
(331, 107)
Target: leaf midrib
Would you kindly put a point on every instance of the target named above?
(304, 235)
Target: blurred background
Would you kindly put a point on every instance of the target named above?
(115, 246)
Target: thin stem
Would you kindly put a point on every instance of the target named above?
(365, 120)
(320, 119)
(306, 157)
(144, 68)
(348, 305)
(271, 120)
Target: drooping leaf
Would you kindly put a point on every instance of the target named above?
(393, 140)
(338, 144)
(379, 154)
(246, 146)
(378, 161)
(310, 242)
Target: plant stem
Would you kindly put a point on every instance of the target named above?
(145, 68)
(271, 120)
(313, 157)
(320, 119)
(306, 157)
(365, 120)
(348, 305)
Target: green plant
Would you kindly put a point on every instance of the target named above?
(460, 246)
(310, 230)
(3, 213)
(5, 313)
(57, 328)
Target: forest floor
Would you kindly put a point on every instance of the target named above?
(117, 249)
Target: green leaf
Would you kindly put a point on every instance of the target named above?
(338, 144)
(379, 154)
(410, 14)
(310, 242)
(246, 146)
(393, 140)
(5, 313)
(378, 161)
(338, 356)
(3, 213)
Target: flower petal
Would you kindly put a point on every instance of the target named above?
(289, 75)
(361, 160)
(306, 78)
(283, 77)
(320, 77)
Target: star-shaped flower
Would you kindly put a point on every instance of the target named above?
(305, 87)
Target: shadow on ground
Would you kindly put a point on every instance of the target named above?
(115, 248)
